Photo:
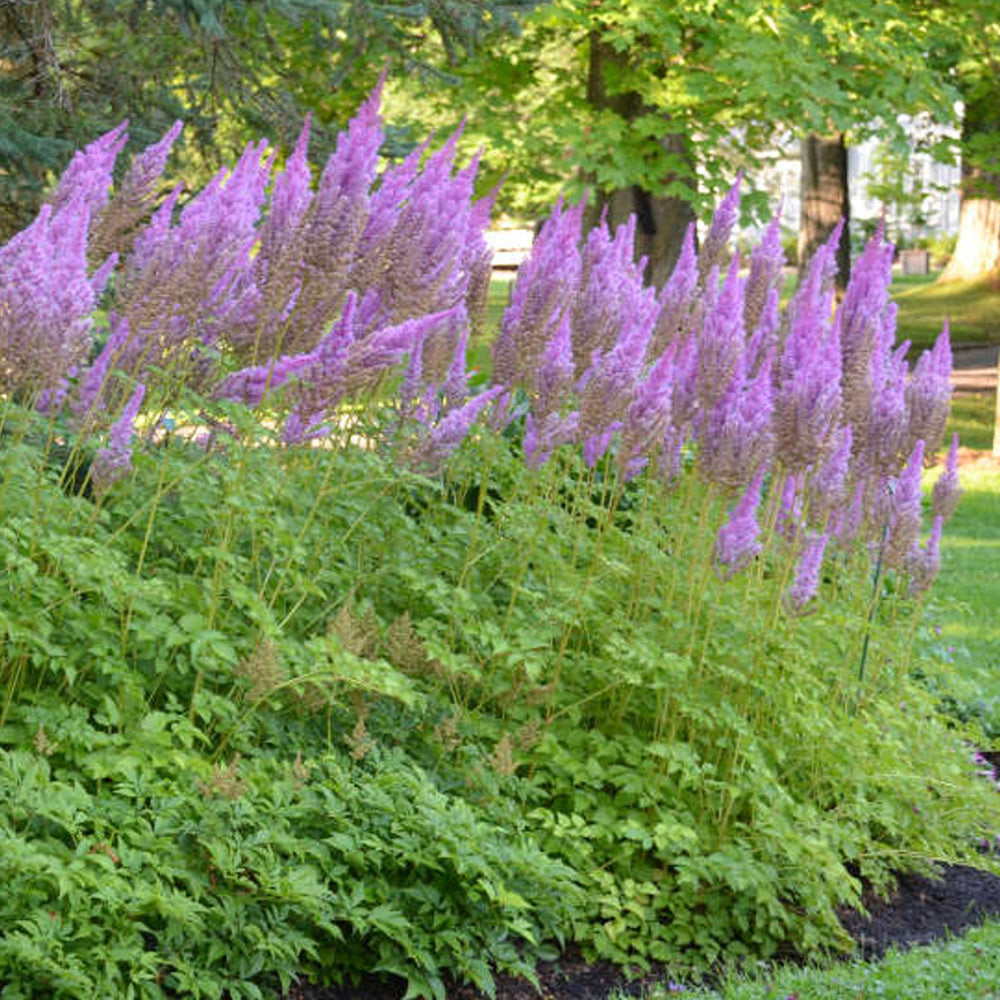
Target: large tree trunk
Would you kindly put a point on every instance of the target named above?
(825, 201)
(661, 221)
(977, 253)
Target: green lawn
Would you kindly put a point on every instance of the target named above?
(966, 968)
(973, 310)
(972, 417)
(965, 600)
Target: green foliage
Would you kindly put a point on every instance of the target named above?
(301, 710)
(729, 79)
(147, 874)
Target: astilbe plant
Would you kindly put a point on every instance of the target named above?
(665, 559)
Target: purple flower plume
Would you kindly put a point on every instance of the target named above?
(737, 437)
(807, 404)
(904, 509)
(608, 385)
(46, 300)
(112, 462)
(114, 224)
(737, 544)
(452, 430)
(766, 261)
(923, 564)
(866, 323)
(556, 371)
(88, 177)
(947, 492)
(541, 438)
(648, 415)
(722, 341)
(544, 289)
(611, 287)
(828, 484)
(720, 230)
(807, 574)
(928, 395)
(677, 298)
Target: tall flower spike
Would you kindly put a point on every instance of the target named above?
(737, 543)
(677, 298)
(928, 396)
(807, 574)
(885, 420)
(453, 429)
(904, 510)
(737, 439)
(766, 261)
(544, 289)
(46, 300)
(556, 371)
(923, 565)
(112, 462)
(947, 492)
(827, 485)
(648, 415)
(807, 404)
(133, 200)
(722, 341)
(611, 282)
(542, 438)
(720, 230)
(866, 323)
(608, 385)
(88, 177)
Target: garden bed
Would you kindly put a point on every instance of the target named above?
(921, 911)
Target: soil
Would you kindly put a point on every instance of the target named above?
(922, 910)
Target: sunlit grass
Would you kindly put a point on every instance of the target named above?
(972, 309)
(963, 968)
(963, 623)
(972, 416)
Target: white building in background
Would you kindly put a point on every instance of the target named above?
(940, 181)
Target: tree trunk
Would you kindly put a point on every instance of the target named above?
(661, 222)
(977, 253)
(825, 201)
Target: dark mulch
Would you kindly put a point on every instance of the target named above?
(922, 910)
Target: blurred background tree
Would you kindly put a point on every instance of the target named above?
(232, 69)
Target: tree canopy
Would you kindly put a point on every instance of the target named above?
(232, 69)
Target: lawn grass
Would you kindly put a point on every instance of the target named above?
(972, 415)
(966, 967)
(972, 309)
(964, 601)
